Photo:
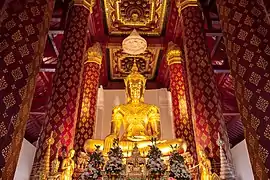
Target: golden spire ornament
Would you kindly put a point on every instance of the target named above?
(45, 167)
(55, 165)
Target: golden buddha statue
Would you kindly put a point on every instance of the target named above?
(54, 174)
(205, 166)
(141, 122)
(135, 164)
(68, 166)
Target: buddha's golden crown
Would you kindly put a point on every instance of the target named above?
(135, 75)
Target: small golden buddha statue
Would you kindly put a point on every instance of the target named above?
(82, 161)
(134, 17)
(55, 165)
(135, 164)
(68, 166)
(189, 161)
(205, 166)
(141, 122)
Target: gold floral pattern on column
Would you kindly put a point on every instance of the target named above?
(207, 112)
(246, 32)
(62, 108)
(22, 41)
(183, 124)
(87, 113)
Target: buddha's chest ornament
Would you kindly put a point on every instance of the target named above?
(135, 114)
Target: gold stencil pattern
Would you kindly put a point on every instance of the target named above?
(183, 124)
(63, 104)
(87, 113)
(21, 49)
(207, 113)
(246, 32)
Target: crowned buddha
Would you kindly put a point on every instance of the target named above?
(140, 121)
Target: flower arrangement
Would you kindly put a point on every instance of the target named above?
(114, 165)
(155, 165)
(95, 165)
(178, 169)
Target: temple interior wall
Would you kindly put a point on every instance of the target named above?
(25, 161)
(241, 161)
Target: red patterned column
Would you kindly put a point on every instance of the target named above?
(208, 117)
(183, 124)
(246, 32)
(23, 31)
(86, 121)
(61, 115)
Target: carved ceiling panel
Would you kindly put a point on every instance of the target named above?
(146, 16)
(121, 63)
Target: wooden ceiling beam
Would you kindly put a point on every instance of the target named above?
(214, 32)
(51, 37)
(45, 78)
(37, 113)
(47, 68)
(231, 114)
(217, 42)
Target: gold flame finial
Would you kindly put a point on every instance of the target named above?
(134, 68)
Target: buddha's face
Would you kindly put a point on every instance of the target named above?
(202, 154)
(135, 89)
(71, 153)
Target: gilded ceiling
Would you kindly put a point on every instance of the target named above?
(121, 63)
(146, 16)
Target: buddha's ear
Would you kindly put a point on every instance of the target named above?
(127, 96)
(143, 91)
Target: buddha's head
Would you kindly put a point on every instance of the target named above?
(71, 153)
(202, 154)
(135, 85)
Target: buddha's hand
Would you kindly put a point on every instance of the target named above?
(109, 142)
